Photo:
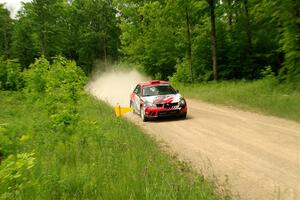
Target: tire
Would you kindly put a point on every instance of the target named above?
(142, 114)
(183, 116)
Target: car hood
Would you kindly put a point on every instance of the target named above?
(162, 99)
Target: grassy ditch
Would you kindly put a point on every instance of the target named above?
(265, 96)
(100, 157)
(57, 142)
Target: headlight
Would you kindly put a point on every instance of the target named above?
(182, 102)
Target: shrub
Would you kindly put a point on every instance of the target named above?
(181, 74)
(35, 76)
(13, 171)
(10, 75)
(60, 83)
(5, 142)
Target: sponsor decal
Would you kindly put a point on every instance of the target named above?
(162, 99)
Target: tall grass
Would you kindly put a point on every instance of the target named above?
(101, 157)
(266, 96)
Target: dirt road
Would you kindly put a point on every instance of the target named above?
(257, 156)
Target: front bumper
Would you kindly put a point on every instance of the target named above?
(154, 112)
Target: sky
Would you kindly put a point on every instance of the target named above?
(13, 6)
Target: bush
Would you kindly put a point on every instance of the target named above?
(60, 83)
(58, 88)
(13, 172)
(35, 76)
(6, 142)
(10, 75)
(181, 74)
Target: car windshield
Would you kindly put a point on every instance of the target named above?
(158, 90)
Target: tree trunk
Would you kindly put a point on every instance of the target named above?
(105, 51)
(213, 39)
(248, 28)
(229, 9)
(189, 43)
(43, 42)
(44, 34)
(296, 9)
(6, 39)
(6, 43)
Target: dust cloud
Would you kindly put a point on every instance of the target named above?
(115, 86)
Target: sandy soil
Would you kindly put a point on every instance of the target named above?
(255, 156)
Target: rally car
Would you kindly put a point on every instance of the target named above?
(157, 99)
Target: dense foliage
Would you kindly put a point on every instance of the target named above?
(250, 36)
(5, 31)
(10, 75)
(190, 40)
(83, 31)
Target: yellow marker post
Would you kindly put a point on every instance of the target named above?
(119, 111)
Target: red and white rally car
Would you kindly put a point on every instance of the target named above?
(157, 99)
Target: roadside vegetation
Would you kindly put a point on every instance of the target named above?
(57, 142)
(265, 96)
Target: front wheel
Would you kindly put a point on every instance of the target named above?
(144, 118)
(183, 116)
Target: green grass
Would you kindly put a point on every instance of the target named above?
(263, 96)
(101, 157)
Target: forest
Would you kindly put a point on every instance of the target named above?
(186, 40)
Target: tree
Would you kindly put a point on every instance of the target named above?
(94, 31)
(48, 18)
(248, 27)
(40, 29)
(189, 39)
(185, 37)
(150, 34)
(288, 16)
(25, 44)
(213, 39)
(83, 30)
(5, 31)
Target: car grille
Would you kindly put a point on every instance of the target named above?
(159, 105)
(168, 113)
(167, 105)
(170, 105)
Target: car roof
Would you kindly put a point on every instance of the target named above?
(154, 82)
